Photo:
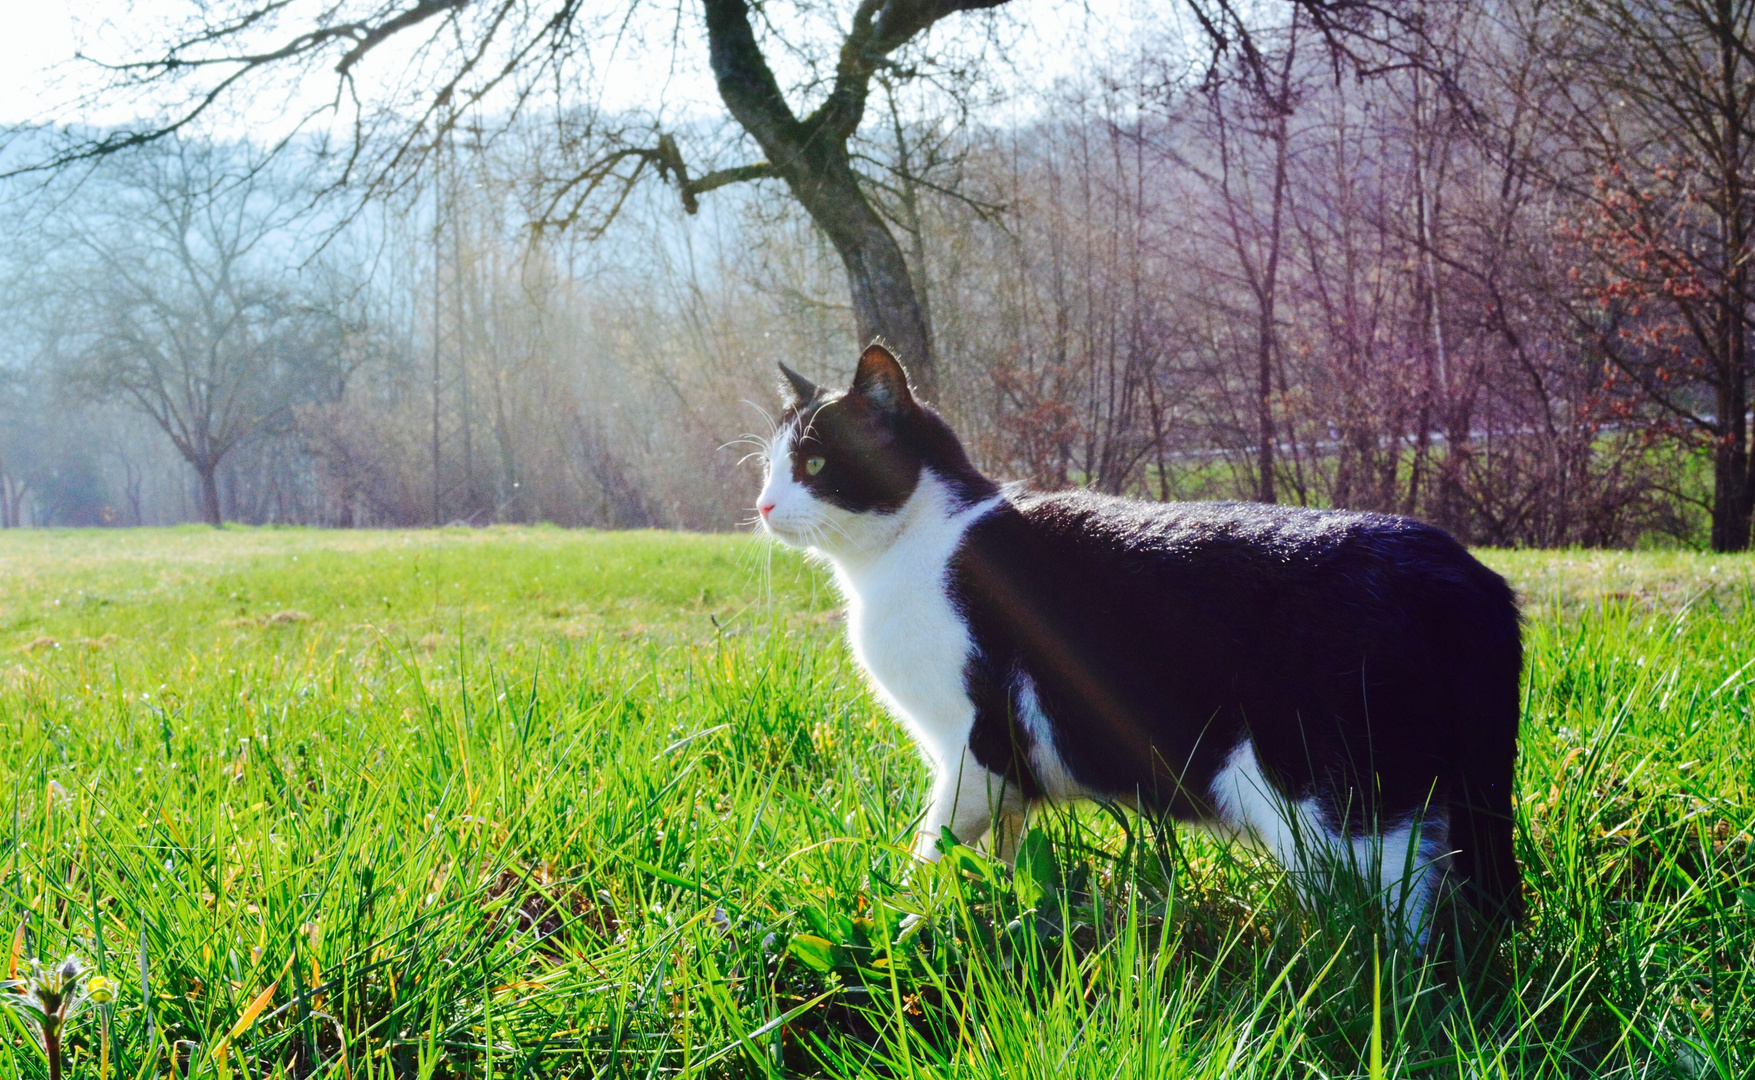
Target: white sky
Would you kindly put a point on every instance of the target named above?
(40, 79)
(40, 34)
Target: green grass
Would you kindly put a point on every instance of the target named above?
(529, 802)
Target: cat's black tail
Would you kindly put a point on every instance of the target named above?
(1486, 651)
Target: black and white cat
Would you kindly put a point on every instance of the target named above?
(1327, 685)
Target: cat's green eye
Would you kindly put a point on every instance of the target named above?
(813, 465)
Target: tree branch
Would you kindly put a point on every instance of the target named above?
(374, 36)
(719, 178)
(880, 27)
(747, 84)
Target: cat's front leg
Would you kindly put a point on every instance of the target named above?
(1002, 838)
(972, 802)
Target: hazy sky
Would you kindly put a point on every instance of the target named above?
(37, 36)
(41, 79)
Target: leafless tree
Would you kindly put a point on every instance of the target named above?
(1337, 275)
(1254, 208)
(177, 305)
(505, 54)
(1658, 126)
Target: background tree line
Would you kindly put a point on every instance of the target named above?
(1484, 264)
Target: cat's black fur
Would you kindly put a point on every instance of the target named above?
(1373, 661)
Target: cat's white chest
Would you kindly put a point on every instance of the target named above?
(915, 647)
(909, 637)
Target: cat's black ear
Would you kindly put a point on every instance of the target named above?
(881, 378)
(803, 387)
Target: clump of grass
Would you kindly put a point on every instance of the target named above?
(632, 813)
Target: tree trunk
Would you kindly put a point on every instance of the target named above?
(1266, 295)
(1450, 512)
(1263, 279)
(1733, 494)
(811, 156)
(1264, 408)
(133, 482)
(885, 303)
(209, 473)
(1731, 488)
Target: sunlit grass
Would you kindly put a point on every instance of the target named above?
(536, 802)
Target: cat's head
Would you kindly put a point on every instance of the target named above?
(844, 466)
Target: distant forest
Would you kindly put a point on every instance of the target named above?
(1494, 274)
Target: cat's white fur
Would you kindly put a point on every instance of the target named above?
(914, 647)
(1404, 861)
(1045, 760)
(909, 640)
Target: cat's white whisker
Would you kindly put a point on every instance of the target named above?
(747, 437)
(768, 417)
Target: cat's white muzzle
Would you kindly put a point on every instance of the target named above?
(796, 518)
(791, 537)
(784, 507)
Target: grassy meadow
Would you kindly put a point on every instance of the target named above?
(526, 802)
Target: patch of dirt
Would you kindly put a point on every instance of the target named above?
(545, 904)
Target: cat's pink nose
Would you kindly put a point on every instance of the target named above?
(764, 508)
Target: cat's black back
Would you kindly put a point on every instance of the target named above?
(1373, 661)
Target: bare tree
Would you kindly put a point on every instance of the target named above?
(1360, 302)
(504, 53)
(1660, 122)
(1256, 233)
(178, 305)
(14, 486)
